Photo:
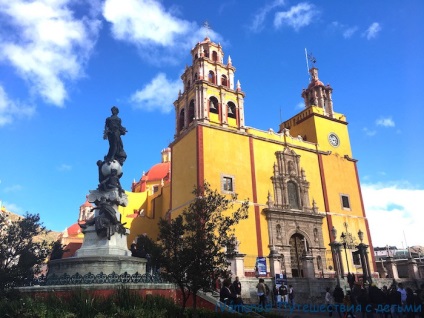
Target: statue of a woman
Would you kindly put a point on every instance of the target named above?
(113, 132)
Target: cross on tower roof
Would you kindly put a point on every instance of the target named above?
(207, 27)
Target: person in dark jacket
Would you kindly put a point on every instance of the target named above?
(236, 289)
(376, 297)
(410, 302)
(338, 296)
(385, 293)
(225, 294)
(395, 301)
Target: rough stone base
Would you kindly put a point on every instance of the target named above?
(94, 245)
(96, 265)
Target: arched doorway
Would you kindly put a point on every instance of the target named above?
(298, 244)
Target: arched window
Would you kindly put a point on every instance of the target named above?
(195, 56)
(191, 112)
(213, 105)
(224, 81)
(211, 77)
(231, 110)
(195, 76)
(181, 120)
(206, 52)
(188, 84)
(293, 195)
(214, 56)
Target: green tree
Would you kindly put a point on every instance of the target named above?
(21, 254)
(196, 242)
(149, 250)
(57, 250)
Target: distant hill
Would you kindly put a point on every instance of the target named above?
(49, 237)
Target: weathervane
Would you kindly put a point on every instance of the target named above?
(312, 59)
(309, 57)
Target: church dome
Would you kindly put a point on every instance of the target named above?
(87, 204)
(74, 230)
(157, 172)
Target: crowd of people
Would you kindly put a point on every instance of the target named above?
(395, 301)
(361, 301)
(230, 292)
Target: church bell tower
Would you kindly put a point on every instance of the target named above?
(210, 95)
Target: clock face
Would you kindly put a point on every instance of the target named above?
(333, 139)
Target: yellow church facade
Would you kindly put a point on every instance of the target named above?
(301, 181)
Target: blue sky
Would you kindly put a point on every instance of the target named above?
(64, 63)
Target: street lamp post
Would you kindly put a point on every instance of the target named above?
(364, 258)
(344, 242)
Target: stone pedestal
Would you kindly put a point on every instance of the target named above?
(93, 245)
(413, 269)
(104, 250)
(99, 255)
(237, 265)
(391, 268)
(308, 266)
(274, 262)
(97, 265)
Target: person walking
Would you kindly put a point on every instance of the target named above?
(275, 297)
(236, 289)
(225, 294)
(291, 295)
(329, 301)
(394, 301)
(261, 290)
(338, 296)
(283, 292)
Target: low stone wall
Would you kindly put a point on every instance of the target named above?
(101, 290)
(312, 291)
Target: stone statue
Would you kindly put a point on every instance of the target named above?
(106, 223)
(113, 132)
(111, 182)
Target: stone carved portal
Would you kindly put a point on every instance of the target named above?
(294, 226)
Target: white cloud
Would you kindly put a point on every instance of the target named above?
(300, 105)
(46, 44)
(143, 22)
(372, 31)
(345, 30)
(13, 188)
(9, 109)
(385, 122)
(156, 32)
(64, 167)
(159, 94)
(347, 33)
(259, 18)
(297, 16)
(393, 209)
(14, 208)
(369, 132)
